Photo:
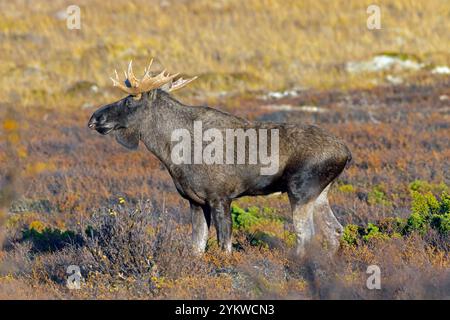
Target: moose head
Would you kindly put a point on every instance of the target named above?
(124, 116)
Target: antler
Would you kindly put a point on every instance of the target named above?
(134, 86)
(180, 83)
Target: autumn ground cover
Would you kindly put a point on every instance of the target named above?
(71, 197)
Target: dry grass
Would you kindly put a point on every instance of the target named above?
(232, 45)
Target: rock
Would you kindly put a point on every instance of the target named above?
(282, 94)
(441, 70)
(393, 79)
(384, 62)
(289, 107)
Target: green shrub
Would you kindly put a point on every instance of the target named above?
(262, 227)
(445, 203)
(423, 187)
(290, 238)
(373, 232)
(378, 196)
(441, 223)
(420, 186)
(416, 222)
(424, 204)
(427, 211)
(393, 226)
(351, 234)
(50, 240)
(244, 219)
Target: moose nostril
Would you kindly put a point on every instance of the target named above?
(92, 122)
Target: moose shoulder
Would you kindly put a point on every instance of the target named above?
(214, 157)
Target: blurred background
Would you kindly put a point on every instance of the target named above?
(69, 196)
(234, 46)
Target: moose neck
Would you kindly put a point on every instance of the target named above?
(163, 117)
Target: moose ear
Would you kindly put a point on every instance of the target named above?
(128, 138)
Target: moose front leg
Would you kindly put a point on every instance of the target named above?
(220, 210)
(201, 220)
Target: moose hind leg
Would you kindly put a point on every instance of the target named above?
(303, 190)
(326, 222)
(221, 215)
(302, 216)
(201, 219)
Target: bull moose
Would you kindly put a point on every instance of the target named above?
(309, 158)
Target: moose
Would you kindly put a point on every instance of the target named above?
(309, 159)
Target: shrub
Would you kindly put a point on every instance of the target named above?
(441, 223)
(49, 239)
(351, 234)
(429, 212)
(393, 226)
(37, 225)
(119, 244)
(373, 232)
(424, 186)
(378, 196)
(416, 222)
(244, 219)
(262, 227)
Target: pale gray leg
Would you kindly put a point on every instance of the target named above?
(326, 223)
(302, 216)
(200, 227)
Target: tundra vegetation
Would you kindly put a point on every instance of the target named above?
(69, 198)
